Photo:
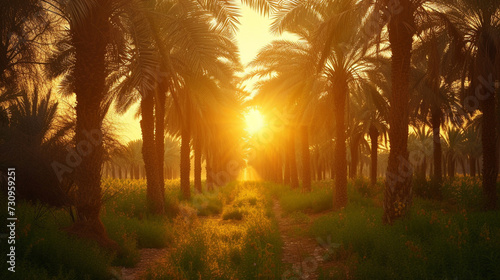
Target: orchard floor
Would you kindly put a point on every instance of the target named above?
(262, 230)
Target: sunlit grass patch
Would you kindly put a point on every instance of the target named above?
(315, 201)
(213, 249)
(233, 213)
(207, 204)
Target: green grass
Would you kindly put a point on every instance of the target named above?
(320, 199)
(441, 239)
(43, 248)
(45, 251)
(233, 213)
(212, 249)
(434, 242)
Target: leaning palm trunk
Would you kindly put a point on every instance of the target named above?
(306, 159)
(340, 156)
(90, 41)
(398, 191)
(154, 193)
(374, 142)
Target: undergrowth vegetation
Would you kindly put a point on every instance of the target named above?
(232, 233)
(244, 244)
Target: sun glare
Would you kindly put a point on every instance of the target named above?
(254, 121)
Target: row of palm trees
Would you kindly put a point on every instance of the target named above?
(177, 59)
(127, 162)
(424, 68)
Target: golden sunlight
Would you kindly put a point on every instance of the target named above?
(254, 121)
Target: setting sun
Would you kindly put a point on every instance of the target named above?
(254, 121)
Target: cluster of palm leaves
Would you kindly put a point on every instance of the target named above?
(429, 65)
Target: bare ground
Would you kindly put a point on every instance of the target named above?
(304, 256)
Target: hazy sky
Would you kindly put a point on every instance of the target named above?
(253, 34)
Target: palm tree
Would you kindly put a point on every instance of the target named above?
(419, 146)
(472, 147)
(435, 100)
(406, 18)
(454, 145)
(398, 191)
(134, 158)
(370, 117)
(172, 156)
(479, 24)
(285, 72)
(23, 26)
(34, 141)
(90, 29)
(188, 44)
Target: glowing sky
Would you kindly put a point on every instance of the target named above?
(253, 34)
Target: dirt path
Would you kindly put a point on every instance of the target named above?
(148, 259)
(304, 254)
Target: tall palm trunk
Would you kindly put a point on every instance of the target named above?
(436, 119)
(353, 170)
(286, 179)
(487, 55)
(398, 191)
(155, 198)
(306, 159)
(340, 156)
(472, 166)
(160, 137)
(490, 164)
(294, 179)
(451, 166)
(374, 155)
(197, 165)
(185, 151)
(209, 172)
(90, 42)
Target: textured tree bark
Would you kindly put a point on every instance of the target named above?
(486, 58)
(373, 131)
(90, 42)
(154, 193)
(398, 191)
(340, 156)
(197, 166)
(306, 159)
(160, 137)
